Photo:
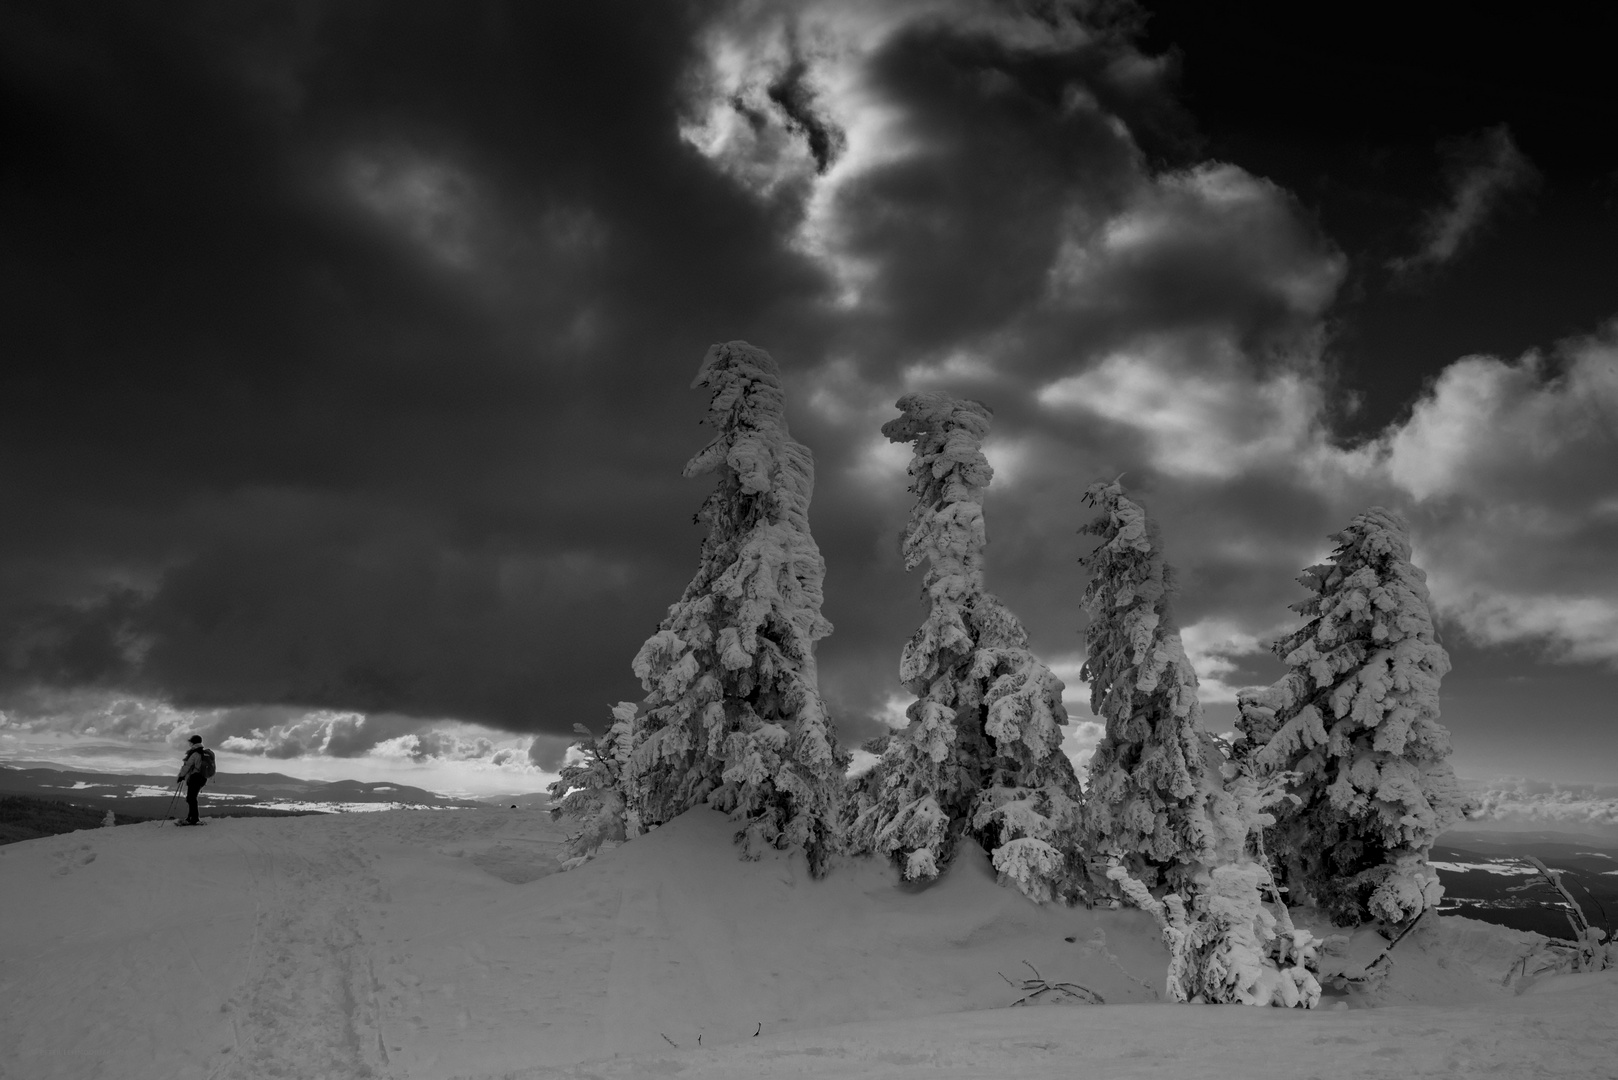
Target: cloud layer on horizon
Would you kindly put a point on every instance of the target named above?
(1520, 801)
(106, 725)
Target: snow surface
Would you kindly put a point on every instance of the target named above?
(421, 946)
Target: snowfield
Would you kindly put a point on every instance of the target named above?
(423, 945)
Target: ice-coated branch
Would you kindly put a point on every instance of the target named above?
(1590, 954)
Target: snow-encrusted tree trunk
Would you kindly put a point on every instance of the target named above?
(1356, 718)
(1226, 947)
(982, 754)
(1178, 836)
(732, 715)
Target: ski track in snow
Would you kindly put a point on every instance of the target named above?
(423, 946)
(305, 1001)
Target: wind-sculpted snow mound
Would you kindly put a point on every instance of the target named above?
(1568, 1034)
(416, 945)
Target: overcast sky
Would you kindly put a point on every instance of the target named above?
(347, 346)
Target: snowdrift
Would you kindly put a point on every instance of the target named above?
(418, 944)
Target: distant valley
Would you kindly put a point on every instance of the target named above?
(150, 796)
(1486, 877)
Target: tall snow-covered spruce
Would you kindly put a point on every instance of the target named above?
(1149, 777)
(732, 715)
(1178, 836)
(1356, 719)
(982, 754)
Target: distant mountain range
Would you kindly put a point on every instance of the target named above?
(151, 795)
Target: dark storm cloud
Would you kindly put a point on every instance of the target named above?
(796, 99)
(357, 343)
(1015, 142)
(995, 227)
(350, 334)
(346, 342)
(354, 606)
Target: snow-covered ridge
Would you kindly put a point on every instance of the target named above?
(406, 945)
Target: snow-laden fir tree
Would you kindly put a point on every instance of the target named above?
(1178, 836)
(591, 789)
(982, 753)
(732, 715)
(1150, 776)
(1356, 718)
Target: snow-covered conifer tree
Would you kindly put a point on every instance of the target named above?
(982, 754)
(1149, 777)
(1178, 836)
(1356, 718)
(593, 791)
(732, 715)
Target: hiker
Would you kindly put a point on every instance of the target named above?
(193, 770)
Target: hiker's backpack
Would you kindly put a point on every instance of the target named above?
(207, 764)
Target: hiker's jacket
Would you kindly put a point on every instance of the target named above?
(192, 766)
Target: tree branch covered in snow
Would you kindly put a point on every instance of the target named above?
(1589, 952)
(1224, 946)
(1356, 718)
(732, 715)
(982, 754)
(591, 789)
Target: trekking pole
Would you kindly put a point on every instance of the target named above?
(167, 813)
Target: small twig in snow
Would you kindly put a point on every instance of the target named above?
(1040, 985)
(670, 1041)
(1382, 957)
(1587, 956)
